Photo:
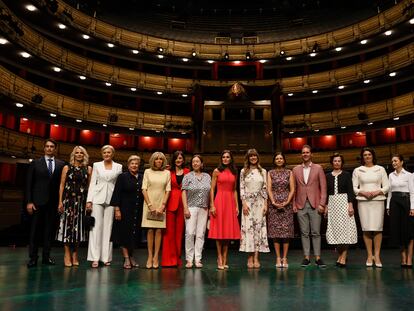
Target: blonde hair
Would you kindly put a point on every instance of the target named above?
(133, 158)
(155, 156)
(85, 156)
(110, 147)
(249, 153)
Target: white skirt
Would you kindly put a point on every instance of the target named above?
(371, 215)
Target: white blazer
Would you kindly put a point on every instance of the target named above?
(103, 182)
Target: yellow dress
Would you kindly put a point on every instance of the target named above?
(156, 183)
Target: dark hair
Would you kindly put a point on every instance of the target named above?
(337, 155)
(201, 160)
(372, 151)
(231, 165)
(307, 146)
(281, 154)
(399, 156)
(50, 140)
(175, 155)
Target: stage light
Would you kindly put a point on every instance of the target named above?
(396, 118)
(19, 105)
(82, 77)
(210, 61)
(79, 120)
(56, 125)
(110, 45)
(370, 123)
(313, 54)
(86, 37)
(160, 49)
(184, 95)
(159, 93)
(62, 26)
(133, 89)
(341, 87)
(57, 69)
(290, 94)
(291, 132)
(367, 81)
(108, 83)
(53, 115)
(131, 128)
(193, 53)
(388, 33)
(338, 49)
(289, 58)
(392, 74)
(226, 56)
(316, 130)
(160, 56)
(104, 125)
(343, 127)
(411, 21)
(262, 61)
(31, 7)
(315, 91)
(363, 41)
(315, 47)
(3, 41)
(237, 62)
(282, 52)
(248, 56)
(185, 59)
(25, 54)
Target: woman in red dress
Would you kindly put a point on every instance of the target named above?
(173, 234)
(224, 208)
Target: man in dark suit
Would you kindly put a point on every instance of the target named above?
(42, 196)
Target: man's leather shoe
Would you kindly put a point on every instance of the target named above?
(32, 263)
(48, 261)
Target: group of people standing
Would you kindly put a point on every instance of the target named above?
(105, 205)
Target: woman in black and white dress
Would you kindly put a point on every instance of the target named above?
(341, 229)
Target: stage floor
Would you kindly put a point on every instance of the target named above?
(112, 288)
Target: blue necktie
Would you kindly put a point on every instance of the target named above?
(50, 166)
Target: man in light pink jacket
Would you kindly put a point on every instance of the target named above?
(309, 203)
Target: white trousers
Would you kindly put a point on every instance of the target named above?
(195, 228)
(100, 245)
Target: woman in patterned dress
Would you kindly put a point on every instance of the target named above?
(341, 229)
(72, 204)
(254, 199)
(280, 189)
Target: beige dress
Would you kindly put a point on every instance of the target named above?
(156, 183)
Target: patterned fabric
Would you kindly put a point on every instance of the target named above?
(280, 221)
(198, 189)
(253, 228)
(71, 229)
(341, 227)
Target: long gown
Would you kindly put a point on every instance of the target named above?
(71, 228)
(225, 225)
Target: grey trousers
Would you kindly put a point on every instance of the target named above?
(310, 225)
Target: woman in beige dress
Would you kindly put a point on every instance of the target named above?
(156, 187)
(371, 184)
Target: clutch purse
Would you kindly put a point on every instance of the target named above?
(88, 221)
(154, 216)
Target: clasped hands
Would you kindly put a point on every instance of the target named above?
(370, 194)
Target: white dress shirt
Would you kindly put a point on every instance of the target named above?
(53, 162)
(306, 172)
(402, 182)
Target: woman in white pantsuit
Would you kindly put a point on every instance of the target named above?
(196, 195)
(104, 175)
(371, 184)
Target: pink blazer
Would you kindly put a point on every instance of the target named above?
(315, 190)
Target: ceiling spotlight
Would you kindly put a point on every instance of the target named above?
(289, 58)
(104, 125)
(262, 61)
(56, 125)
(367, 81)
(25, 54)
(210, 61)
(25, 119)
(13, 156)
(364, 41)
(411, 21)
(338, 49)
(57, 69)
(79, 120)
(133, 89)
(3, 41)
(110, 45)
(370, 123)
(183, 133)
(226, 56)
(184, 95)
(315, 91)
(315, 47)
(53, 115)
(31, 7)
(19, 105)
(341, 87)
(185, 59)
(290, 94)
(396, 118)
(236, 62)
(282, 52)
(343, 127)
(193, 53)
(108, 83)
(62, 26)
(82, 77)
(291, 132)
(248, 56)
(131, 128)
(388, 33)
(160, 49)
(86, 37)
(159, 93)
(160, 56)
(313, 54)
(392, 74)
(316, 130)
(135, 52)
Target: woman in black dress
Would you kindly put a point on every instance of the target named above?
(127, 200)
(74, 185)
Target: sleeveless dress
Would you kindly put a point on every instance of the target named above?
(280, 221)
(71, 229)
(225, 225)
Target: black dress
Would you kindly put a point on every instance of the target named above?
(128, 197)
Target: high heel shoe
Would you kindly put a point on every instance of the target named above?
(377, 264)
(127, 263)
(279, 263)
(67, 261)
(285, 263)
(220, 266)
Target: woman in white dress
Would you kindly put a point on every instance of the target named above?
(156, 187)
(101, 187)
(371, 184)
(253, 194)
(341, 229)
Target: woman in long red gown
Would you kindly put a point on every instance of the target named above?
(224, 208)
(173, 234)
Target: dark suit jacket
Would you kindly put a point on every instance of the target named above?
(41, 188)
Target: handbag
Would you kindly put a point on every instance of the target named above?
(88, 221)
(152, 215)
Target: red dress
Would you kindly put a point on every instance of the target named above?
(225, 225)
(174, 231)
